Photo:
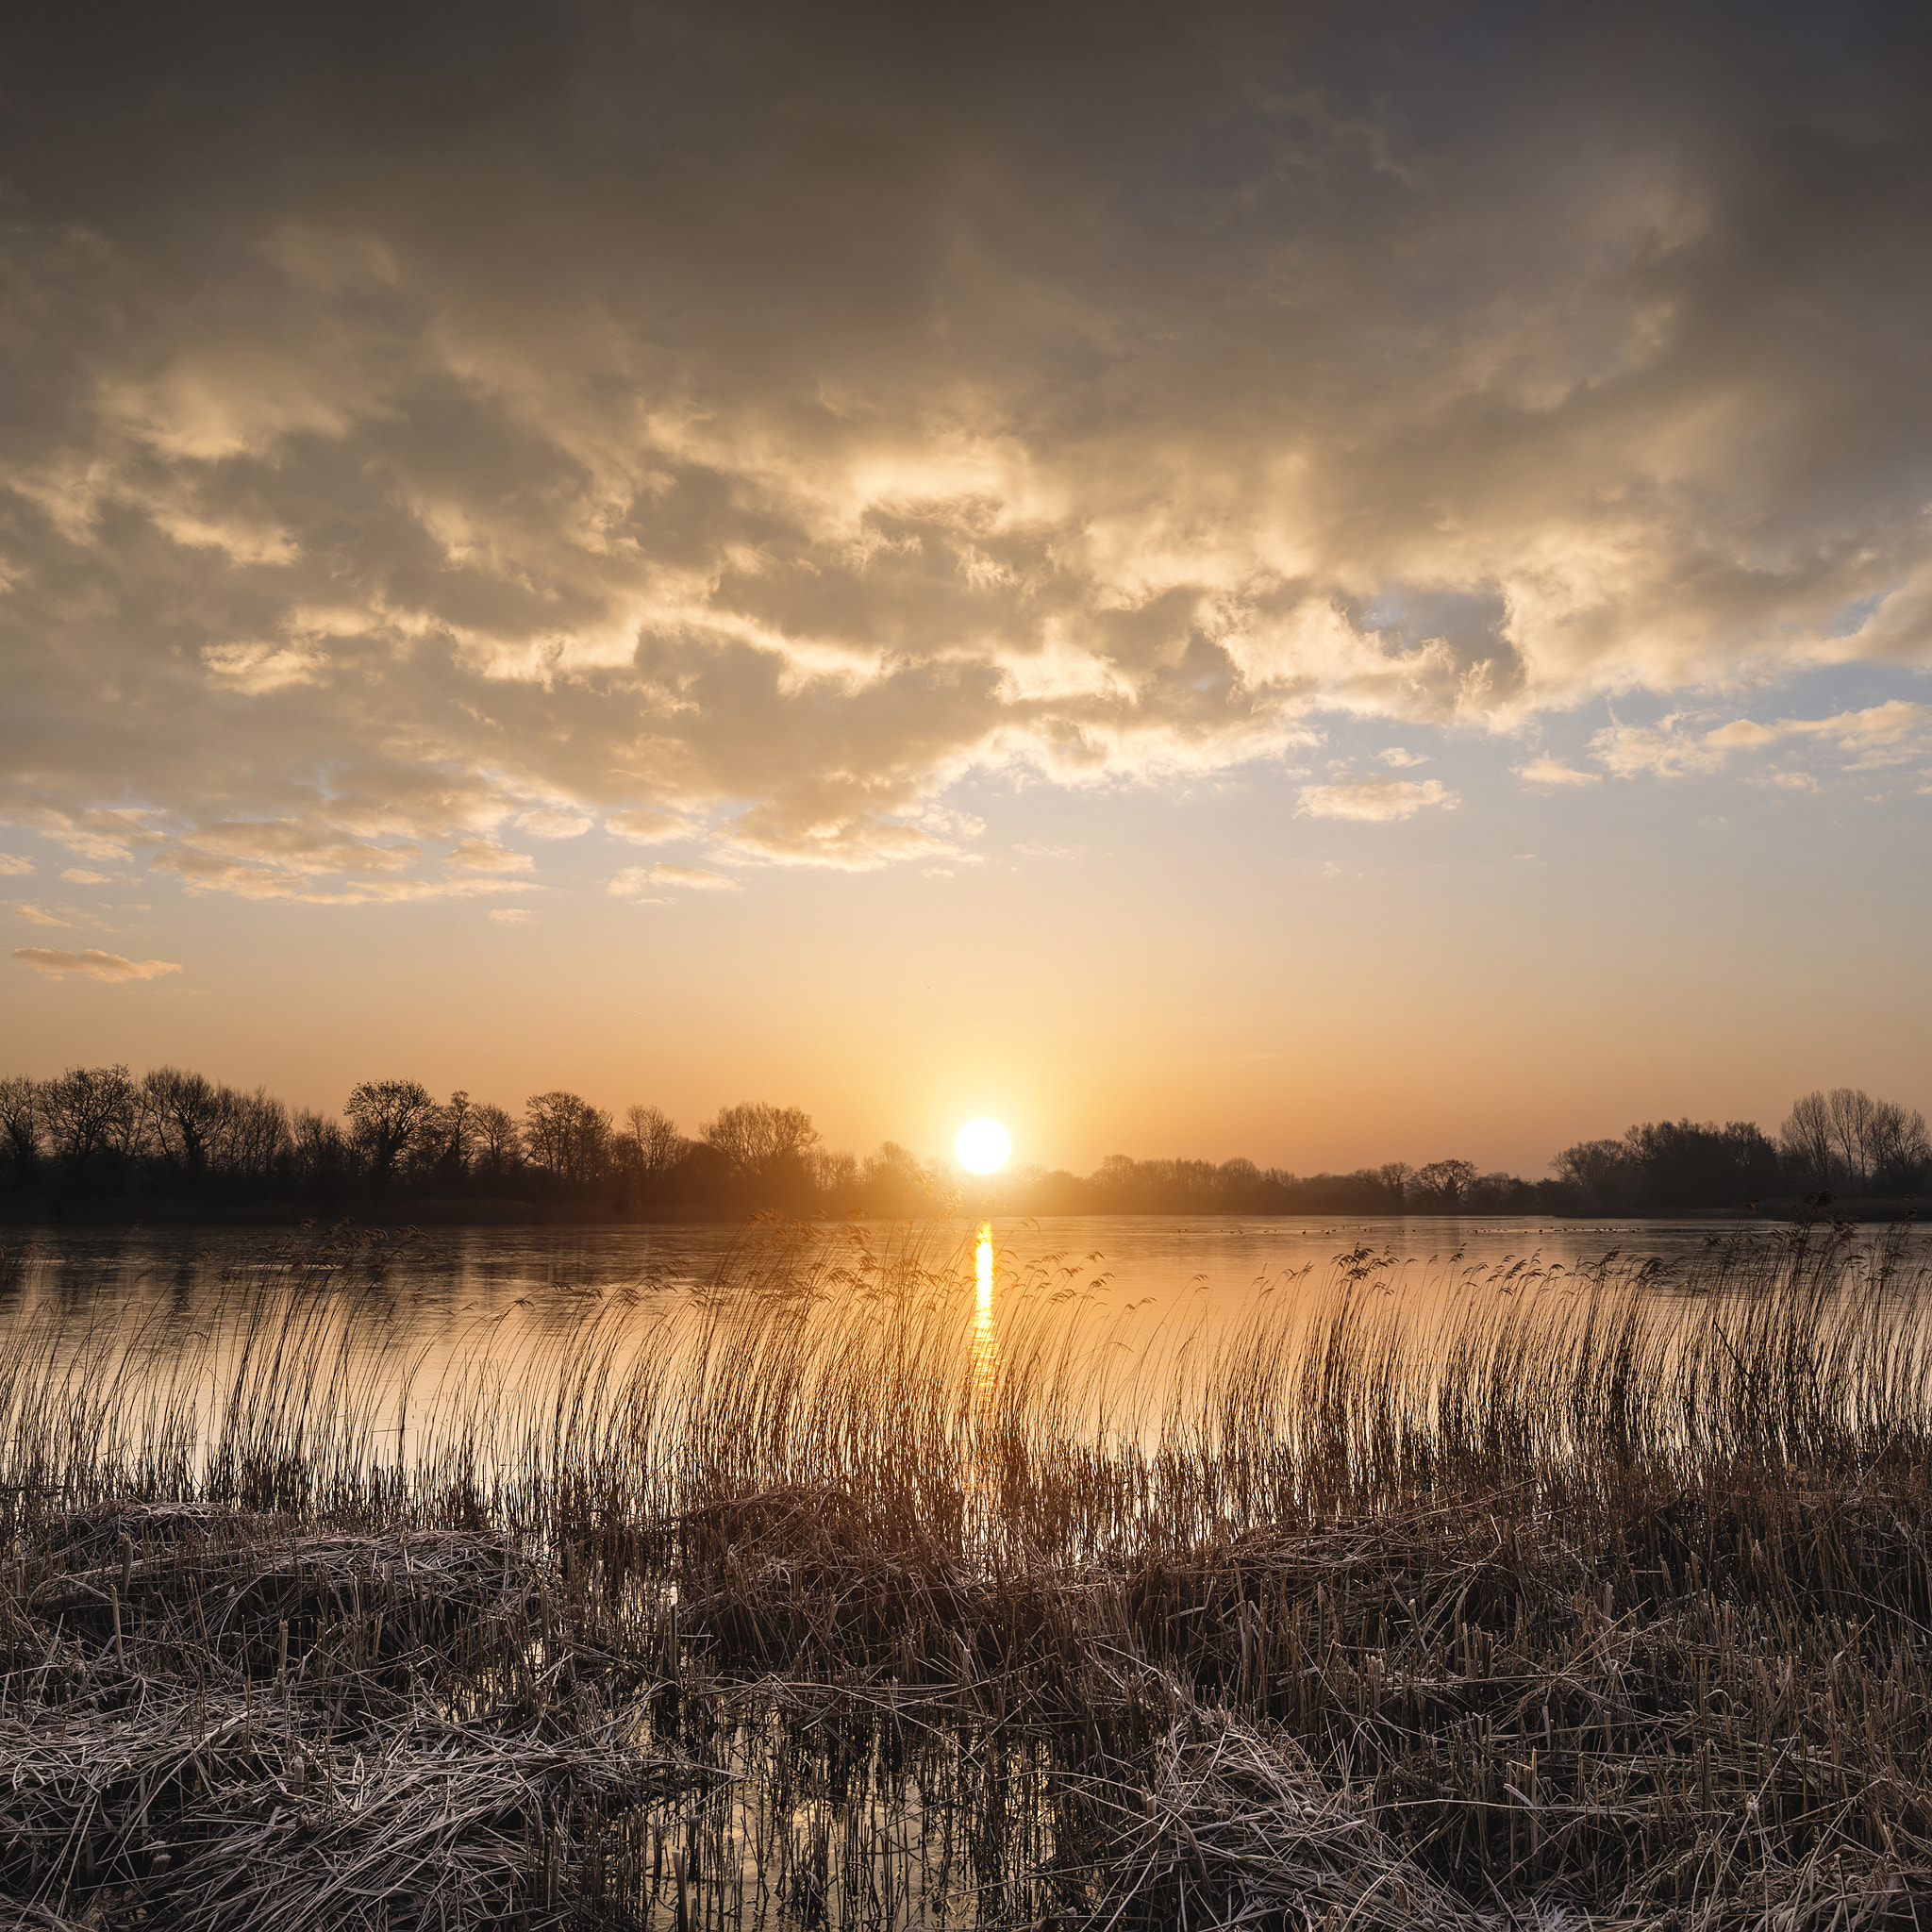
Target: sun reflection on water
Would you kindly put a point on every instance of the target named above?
(986, 1348)
(981, 1455)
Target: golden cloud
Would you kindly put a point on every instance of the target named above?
(759, 486)
(92, 964)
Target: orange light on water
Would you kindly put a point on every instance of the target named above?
(986, 1348)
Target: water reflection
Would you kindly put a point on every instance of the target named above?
(986, 1346)
(982, 1456)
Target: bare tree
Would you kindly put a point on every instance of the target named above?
(253, 1133)
(385, 1116)
(447, 1135)
(19, 1123)
(834, 1178)
(895, 1182)
(567, 1135)
(1898, 1149)
(1807, 1139)
(499, 1145)
(89, 1111)
(1601, 1170)
(1849, 1109)
(184, 1114)
(321, 1149)
(1446, 1183)
(652, 1141)
(1846, 1139)
(757, 1140)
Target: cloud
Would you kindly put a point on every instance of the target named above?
(479, 855)
(99, 832)
(203, 872)
(33, 914)
(650, 825)
(91, 964)
(826, 417)
(301, 847)
(255, 669)
(323, 863)
(1548, 770)
(78, 875)
(1402, 760)
(512, 915)
(549, 822)
(12, 867)
(1879, 735)
(634, 880)
(1379, 799)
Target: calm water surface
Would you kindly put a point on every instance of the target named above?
(456, 1276)
(1140, 1302)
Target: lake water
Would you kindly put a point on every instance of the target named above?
(153, 1336)
(1149, 1266)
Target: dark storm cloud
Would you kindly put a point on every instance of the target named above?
(745, 423)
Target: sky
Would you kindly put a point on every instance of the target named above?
(1330, 583)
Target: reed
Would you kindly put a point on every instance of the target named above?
(805, 1600)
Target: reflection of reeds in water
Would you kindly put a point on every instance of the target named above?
(796, 1599)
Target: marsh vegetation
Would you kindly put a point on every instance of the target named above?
(828, 1597)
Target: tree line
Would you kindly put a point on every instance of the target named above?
(174, 1137)
(175, 1143)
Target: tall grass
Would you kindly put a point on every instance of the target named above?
(1607, 1594)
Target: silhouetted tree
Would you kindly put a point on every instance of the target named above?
(1688, 1164)
(1444, 1185)
(454, 1131)
(566, 1136)
(91, 1114)
(1502, 1193)
(1805, 1141)
(252, 1136)
(184, 1114)
(321, 1154)
(1603, 1174)
(1849, 1142)
(651, 1144)
(833, 1178)
(20, 1126)
(499, 1144)
(894, 1184)
(385, 1117)
(1898, 1149)
(763, 1148)
(1849, 1110)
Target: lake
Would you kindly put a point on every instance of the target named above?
(454, 1276)
(482, 1348)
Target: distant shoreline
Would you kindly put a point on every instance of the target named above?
(131, 1215)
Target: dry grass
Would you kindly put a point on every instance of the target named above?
(1605, 1599)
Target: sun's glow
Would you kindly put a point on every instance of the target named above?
(982, 1146)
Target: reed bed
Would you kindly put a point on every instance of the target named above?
(816, 1599)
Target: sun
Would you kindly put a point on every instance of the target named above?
(982, 1146)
